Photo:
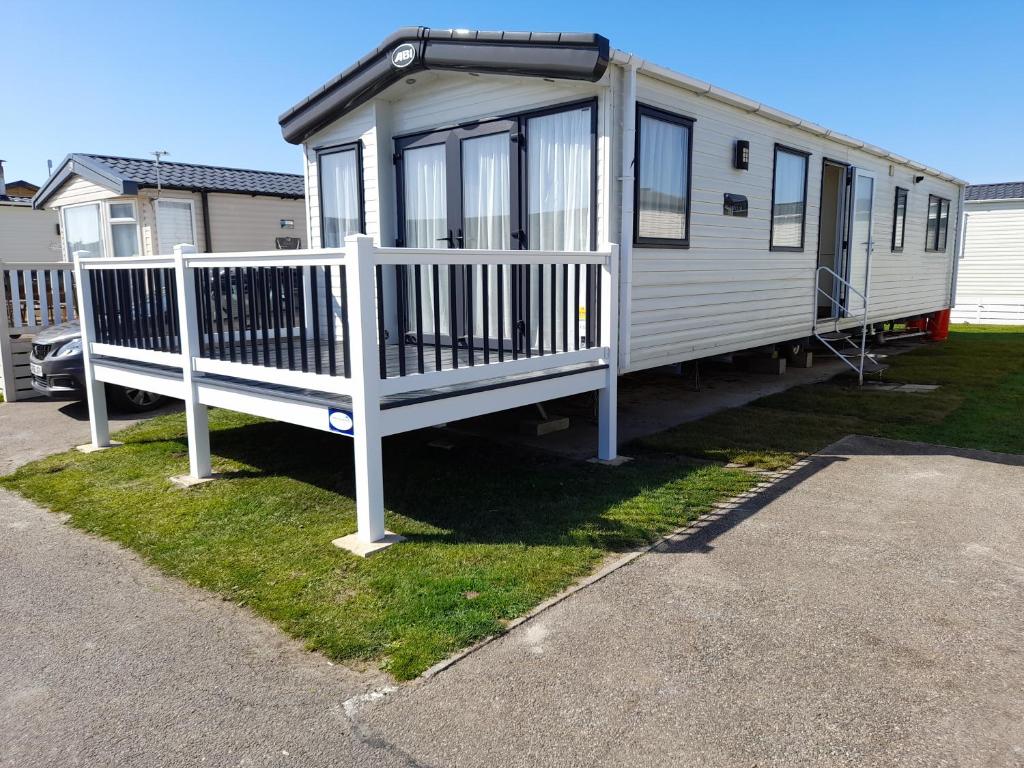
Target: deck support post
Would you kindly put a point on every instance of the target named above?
(608, 396)
(196, 414)
(370, 535)
(99, 424)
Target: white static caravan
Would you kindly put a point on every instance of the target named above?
(990, 278)
(683, 175)
(499, 219)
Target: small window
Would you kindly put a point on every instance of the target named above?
(664, 151)
(175, 224)
(938, 224)
(899, 219)
(82, 231)
(124, 229)
(341, 199)
(789, 199)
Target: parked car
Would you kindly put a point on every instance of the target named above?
(59, 371)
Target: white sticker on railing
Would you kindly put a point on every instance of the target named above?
(340, 421)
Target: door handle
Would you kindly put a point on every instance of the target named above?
(449, 239)
(461, 239)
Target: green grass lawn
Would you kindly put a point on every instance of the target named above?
(980, 405)
(492, 531)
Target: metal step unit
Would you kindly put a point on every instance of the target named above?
(849, 347)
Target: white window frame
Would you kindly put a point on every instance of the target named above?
(192, 211)
(104, 246)
(111, 221)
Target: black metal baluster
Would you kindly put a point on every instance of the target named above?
(470, 316)
(501, 314)
(345, 338)
(332, 361)
(289, 310)
(540, 309)
(217, 308)
(172, 302)
(382, 352)
(598, 305)
(417, 278)
(254, 320)
(264, 316)
(403, 312)
(275, 287)
(590, 307)
(159, 310)
(210, 327)
(516, 299)
(229, 303)
(565, 308)
(303, 320)
(576, 309)
(526, 312)
(435, 269)
(138, 308)
(452, 316)
(484, 286)
(554, 309)
(315, 301)
(239, 274)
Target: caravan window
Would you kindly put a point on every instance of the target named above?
(124, 229)
(341, 198)
(662, 195)
(789, 199)
(938, 223)
(899, 219)
(82, 231)
(175, 224)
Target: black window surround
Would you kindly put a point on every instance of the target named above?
(643, 110)
(771, 213)
(898, 235)
(321, 152)
(516, 125)
(938, 244)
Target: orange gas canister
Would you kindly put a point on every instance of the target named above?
(940, 325)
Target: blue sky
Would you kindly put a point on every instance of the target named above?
(941, 82)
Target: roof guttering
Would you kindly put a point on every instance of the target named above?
(79, 165)
(582, 56)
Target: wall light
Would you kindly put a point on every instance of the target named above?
(741, 155)
(918, 179)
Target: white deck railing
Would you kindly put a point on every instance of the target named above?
(35, 296)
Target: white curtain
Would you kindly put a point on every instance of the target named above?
(173, 225)
(790, 190)
(339, 184)
(426, 226)
(486, 214)
(662, 196)
(559, 177)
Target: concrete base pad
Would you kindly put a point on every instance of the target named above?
(364, 549)
(90, 448)
(187, 481)
(618, 461)
(540, 427)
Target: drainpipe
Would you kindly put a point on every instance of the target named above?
(958, 250)
(628, 179)
(207, 234)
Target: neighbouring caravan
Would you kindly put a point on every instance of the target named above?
(724, 208)
(25, 234)
(120, 206)
(990, 277)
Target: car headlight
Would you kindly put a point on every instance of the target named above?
(73, 347)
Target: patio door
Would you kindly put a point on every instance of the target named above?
(454, 192)
(860, 238)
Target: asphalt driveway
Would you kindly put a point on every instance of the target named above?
(864, 611)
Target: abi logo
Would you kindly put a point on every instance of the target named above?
(403, 56)
(340, 421)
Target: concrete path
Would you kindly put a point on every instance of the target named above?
(867, 611)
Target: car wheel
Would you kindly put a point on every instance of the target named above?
(136, 400)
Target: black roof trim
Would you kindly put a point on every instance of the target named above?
(567, 56)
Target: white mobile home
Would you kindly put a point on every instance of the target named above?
(503, 218)
(990, 278)
(25, 233)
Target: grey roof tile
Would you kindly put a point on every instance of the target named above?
(1008, 190)
(203, 177)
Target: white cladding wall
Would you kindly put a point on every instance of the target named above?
(28, 235)
(728, 291)
(990, 280)
(246, 223)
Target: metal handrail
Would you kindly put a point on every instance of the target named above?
(835, 303)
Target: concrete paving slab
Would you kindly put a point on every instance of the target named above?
(863, 611)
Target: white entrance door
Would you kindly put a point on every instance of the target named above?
(860, 242)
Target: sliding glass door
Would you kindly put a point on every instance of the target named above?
(525, 182)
